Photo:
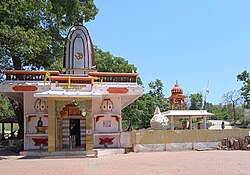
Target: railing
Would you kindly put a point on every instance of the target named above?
(72, 79)
(55, 76)
(22, 75)
(114, 77)
(71, 82)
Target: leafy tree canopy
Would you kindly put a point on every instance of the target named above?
(106, 62)
(195, 101)
(31, 30)
(6, 109)
(245, 89)
(142, 110)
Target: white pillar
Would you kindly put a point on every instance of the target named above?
(205, 122)
(172, 122)
(120, 123)
(190, 123)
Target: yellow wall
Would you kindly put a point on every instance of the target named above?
(184, 136)
(89, 139)
(51, 127)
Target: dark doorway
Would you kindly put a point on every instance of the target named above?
(75, 131)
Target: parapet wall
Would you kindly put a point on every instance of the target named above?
(162, 140)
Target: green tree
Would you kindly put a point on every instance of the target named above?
(195, 101)
(225, 111)
(233, 100)
(220, 111)
(142, 110)
(6, 109)
(245, 89)
(32, 32)
(106, 62)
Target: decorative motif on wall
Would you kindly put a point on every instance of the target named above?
(30, 116)
(107, 105)
(98, 117)
(70, 110)
(24, 88)
(40, 141)
(106, 141)
(40, 106)
(84, 106)
(106, 124)
(114, 90)
(116, 117)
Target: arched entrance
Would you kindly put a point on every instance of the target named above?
(72, 128)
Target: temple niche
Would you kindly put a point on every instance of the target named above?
(159, 121)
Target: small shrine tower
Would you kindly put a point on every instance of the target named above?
(79, 51)
(177, 98)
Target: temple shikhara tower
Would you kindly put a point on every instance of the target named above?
(79, 109)
(177, 98)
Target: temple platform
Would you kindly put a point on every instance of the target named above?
(72, 154)
(109, 151)
(55, 155)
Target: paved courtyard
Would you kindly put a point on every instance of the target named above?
(163, 163)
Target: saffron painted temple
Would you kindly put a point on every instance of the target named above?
(78, 109)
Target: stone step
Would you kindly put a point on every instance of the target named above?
(109, 151)
(57, 154)
(73, 154)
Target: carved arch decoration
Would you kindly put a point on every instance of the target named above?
(82, 105)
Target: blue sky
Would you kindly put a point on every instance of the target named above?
(192, 41)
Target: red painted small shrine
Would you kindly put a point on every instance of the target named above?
(177, 98)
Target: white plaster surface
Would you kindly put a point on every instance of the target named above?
(159, 121)
(174, 146)
(149, 147)
(126, 140)
(179, 146)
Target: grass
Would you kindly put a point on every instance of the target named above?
(7, 127)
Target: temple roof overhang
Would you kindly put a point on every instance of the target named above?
(177, 96)
(187, 113)
(65, 93)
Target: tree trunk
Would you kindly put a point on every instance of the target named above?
(18, 107)
(17, 63)
(234, 113)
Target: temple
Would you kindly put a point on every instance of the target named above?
(79, 109)
(180, 117)
(177, 98)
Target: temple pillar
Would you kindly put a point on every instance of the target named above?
(59, 135)
(205, 122)
(11, 130)
(3, 131)
(172, 122)
(190, 123)
(51, 126)
(89, 134)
